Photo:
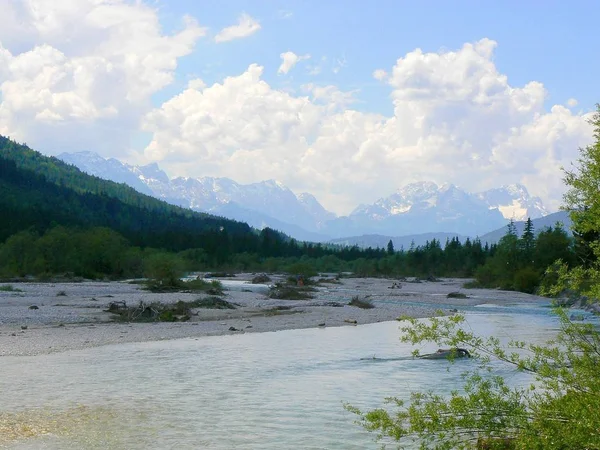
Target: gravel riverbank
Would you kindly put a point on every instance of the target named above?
(38, 318)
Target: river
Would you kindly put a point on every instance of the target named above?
(255, 391)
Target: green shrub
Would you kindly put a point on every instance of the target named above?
(164, 271)
(526, 280)
(213, 303)
(9, 288)
(213, 287)
(302, 268)
(285, 292)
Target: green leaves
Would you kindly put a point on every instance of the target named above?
(565, 391)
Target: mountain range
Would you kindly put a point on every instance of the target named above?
(406, 241)
(422, 207)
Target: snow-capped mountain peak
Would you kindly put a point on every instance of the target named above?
(152, 173)
(420, 207)
(514, 202)
(265, 203)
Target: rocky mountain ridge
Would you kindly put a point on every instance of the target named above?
(422, 207)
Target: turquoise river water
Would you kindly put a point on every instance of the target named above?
(255, 391)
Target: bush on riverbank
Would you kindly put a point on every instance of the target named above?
(213, 287)
(213, 303)
(283, 291)
(180, 311)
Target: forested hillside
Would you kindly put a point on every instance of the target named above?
(38, 191)
(57, 172)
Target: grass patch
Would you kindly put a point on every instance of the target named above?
(293, 280)
(472, 285)
(287, 292)
(457, 295)
(213, 303)
(213, 287)
(219, 275)
(165, 312)
(10, 288)
(277, 311)
(261, 279)
(363, 304)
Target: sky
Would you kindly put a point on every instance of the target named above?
(347, 100)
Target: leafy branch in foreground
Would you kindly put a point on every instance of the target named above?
(559, 409)
(564, 389)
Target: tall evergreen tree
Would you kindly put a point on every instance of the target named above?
(527, 243)
(390, 247)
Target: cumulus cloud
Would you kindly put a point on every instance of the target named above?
(289, 60)
(196, 83)
(284, 14)
(380, 74)
(456, 119)
(245, 27)
(339, 64)
(81, 73)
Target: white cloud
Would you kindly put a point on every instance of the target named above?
(330, 96)
(456, 119)
(79, 74)
(380, 74)
(339, 64)
(245, 27)
(289, 60)
(284, 14)
(197, 84)
(572, 103)
(82, 72)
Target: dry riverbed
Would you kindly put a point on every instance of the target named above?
(38, 318)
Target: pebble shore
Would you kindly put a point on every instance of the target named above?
(40, 318)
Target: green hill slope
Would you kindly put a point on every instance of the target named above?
(38, 191)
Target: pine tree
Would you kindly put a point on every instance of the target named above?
(390, 247)
(527, 243)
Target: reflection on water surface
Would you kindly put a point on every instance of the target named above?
(254, 391)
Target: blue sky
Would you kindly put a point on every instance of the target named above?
(555, 42)
(499, 93)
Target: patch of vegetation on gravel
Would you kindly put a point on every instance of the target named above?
(9, 288)
(283, 291)
(361, 303)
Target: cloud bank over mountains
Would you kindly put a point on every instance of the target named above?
(82, 76)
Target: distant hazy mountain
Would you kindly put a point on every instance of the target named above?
(416, 208)
(426, 208)
(381, 241)
(108, 169)
(538, 225)
(264, 204)
(405, 242)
